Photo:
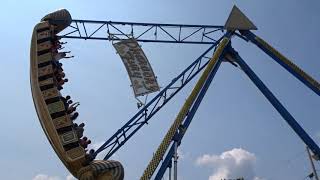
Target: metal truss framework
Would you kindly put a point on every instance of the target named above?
(143, 32)
(233, 54)
(184, 126)
(167, 161)
(154, 105)
(190, 34)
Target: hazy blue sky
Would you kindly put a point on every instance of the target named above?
(235, 129)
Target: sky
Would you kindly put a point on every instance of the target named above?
(236, 131)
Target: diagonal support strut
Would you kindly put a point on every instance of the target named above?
(276, 103)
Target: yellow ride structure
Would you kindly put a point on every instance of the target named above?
(50, 107)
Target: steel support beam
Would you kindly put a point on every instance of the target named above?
(143, 32)
(283, 61)
(198, 91)
(276, 103)
(154, 105)
(179, 136)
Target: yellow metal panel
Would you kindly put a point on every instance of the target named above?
(44, 46)
(46, 82)
(76, 153)
(45, 58)
(56, 107)
(61, 122)
(45, 70)
(44, 34)
(50, 93)
(68, 137)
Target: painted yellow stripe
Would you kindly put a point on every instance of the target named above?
(157, 157)
(289, 63)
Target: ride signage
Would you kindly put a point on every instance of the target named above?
(138, 67)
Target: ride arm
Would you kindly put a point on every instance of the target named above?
(184, 127)
(276, 104)
(283, 61)
(210, 69)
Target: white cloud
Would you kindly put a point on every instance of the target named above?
(235, 163)
(47, 177)
(183, 155)
(70, 177)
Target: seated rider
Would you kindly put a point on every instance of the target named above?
(61, 55)
(73, 107)
(79, 129)
(74, 116)
(65, 101)
(90, 156)
(84, 142)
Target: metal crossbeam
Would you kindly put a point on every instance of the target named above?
(153, 106)
(143, 32)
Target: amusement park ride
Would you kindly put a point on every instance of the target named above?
(56, 112)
